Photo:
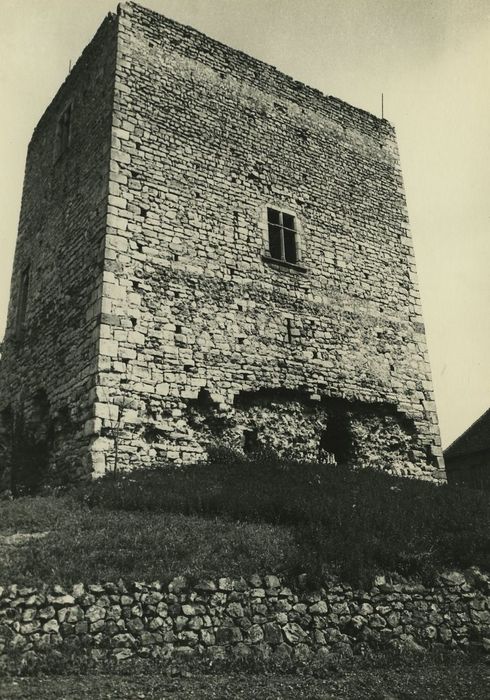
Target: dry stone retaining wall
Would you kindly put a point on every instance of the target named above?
(257, 618)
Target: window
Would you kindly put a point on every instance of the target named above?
(22, 301)
(63, 132)
(282, 236)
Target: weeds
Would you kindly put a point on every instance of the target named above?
(236, 516)
(355, 521)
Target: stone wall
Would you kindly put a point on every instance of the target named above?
(156, 320)
(49, 358)
(205, 139)
(259, 618)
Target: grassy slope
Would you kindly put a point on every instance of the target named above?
(357, 521)
(236, 517)
(98, 544)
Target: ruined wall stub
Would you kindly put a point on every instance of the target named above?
(201, 335)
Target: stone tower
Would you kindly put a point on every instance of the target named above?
(209, 252)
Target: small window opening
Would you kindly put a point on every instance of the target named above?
(289, 330)
(63, 132)
(334, 447)
(22, 302)
(178, 329)
(136, 284)
(282, 236)
(250, 441)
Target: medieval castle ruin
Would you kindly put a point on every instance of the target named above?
(209, 252)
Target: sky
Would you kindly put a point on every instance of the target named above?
(430, 59)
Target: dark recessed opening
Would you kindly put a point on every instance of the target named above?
(22, 303)
(335, 440)
(250, 441)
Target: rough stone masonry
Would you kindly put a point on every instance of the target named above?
(209, 252)
(260, 618)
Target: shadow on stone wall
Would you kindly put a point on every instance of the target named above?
(31, 436)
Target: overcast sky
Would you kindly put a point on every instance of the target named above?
(430, 58)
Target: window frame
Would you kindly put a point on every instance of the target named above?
(267, 256)
(282, 228)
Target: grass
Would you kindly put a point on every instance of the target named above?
(236, 517)
(95, 544)
(356, 522)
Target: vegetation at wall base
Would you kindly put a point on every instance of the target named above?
(235, 516)
(352, 522)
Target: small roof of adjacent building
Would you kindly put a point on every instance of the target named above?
(475, 439)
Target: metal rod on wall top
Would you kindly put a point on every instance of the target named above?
(382, 107)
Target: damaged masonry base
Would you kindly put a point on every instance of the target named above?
(287, 422)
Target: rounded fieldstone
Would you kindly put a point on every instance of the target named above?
(272, 633)
(294, 633)
(51, 626)
(319, 608)
(255, 634)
